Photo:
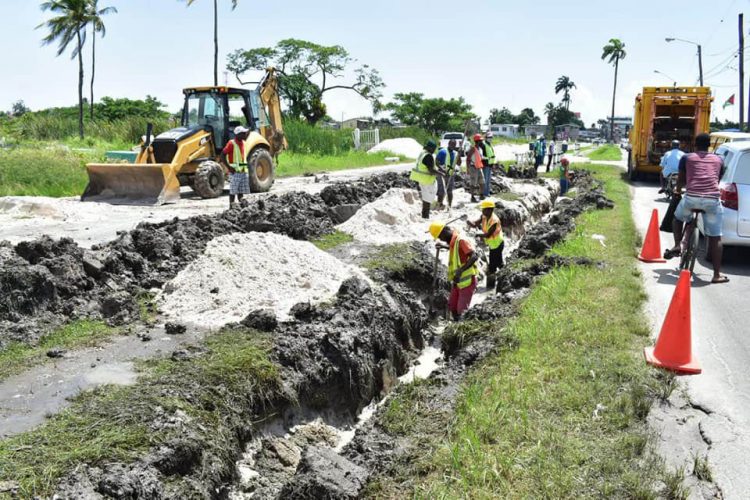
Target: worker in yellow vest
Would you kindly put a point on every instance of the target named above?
(234, 156)
(492, 232)
(462, 268)
(425, 174)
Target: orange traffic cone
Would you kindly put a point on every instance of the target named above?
(651, 251)
(673, 349)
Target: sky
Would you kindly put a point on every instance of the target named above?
(493, 53)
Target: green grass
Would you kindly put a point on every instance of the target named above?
(608, 152)
(113, 423)
(392, 258)
(332, 240)
(525, 425)
(42, 171)
(292, 164)
(17, 357)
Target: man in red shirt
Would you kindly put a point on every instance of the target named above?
(462, 269)
(233, 155)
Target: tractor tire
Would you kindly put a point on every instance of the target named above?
(261, 170)
(208, 181)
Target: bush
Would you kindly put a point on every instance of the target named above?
(53, 127)
(309, 139)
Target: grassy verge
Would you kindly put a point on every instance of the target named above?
(80, 333)
(291, 164)
(608, 152)
(563, 415)
(118, 423)
(332, 240)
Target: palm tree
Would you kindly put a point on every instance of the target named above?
(97, 26)
(68, 24)
(216, 36)
(549, 110)
(565, 85)
(613, 52)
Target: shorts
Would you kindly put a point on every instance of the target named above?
(444, 181)
(239, 183)
(712, 218)
(428, 192)
(476, 177)
(460, 298)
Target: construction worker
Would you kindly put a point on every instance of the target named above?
(233, 155)
(448, 161)
(462, 269)
(492, 232)
(539, 151)
(489, 162)
(425, 173)
(474, 167)
(564, 176)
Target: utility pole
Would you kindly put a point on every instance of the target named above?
(700, 64)
(742, 72)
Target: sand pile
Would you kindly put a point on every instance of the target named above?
(240, 273)
(407, 147)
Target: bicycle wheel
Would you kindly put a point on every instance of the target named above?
(688, 251)
(693, 244)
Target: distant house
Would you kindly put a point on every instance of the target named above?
(360, 123)
(623, 124)
(505, 129)
(534, 131)
(569, 132)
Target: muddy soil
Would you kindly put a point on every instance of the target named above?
(45, 282)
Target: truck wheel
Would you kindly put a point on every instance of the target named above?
(208, 181)
(632, 174)
(261, 171)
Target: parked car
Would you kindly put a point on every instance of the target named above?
(725, 136)
(735, 193)
(457, 136)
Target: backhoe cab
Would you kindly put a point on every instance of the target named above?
(189, 155)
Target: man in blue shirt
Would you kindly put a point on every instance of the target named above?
(670, 163)
(448, 161)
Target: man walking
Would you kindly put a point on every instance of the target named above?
(492, 233)
(462, 269)
(447, 160)
(700, 173)
(425, 174)
(474, 166)
(670, 164)
(550, 153)
(233, 155)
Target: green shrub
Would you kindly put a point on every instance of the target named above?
(309, 139)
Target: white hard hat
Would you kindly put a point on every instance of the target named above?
(239, 129)
(489, 134)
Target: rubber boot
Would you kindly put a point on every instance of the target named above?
(490, 281)
(425, 210)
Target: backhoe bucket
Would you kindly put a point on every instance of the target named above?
(131, 184)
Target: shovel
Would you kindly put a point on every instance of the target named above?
(436, 267)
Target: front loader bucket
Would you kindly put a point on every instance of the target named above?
(131, 184)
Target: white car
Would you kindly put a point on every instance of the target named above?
(735, 193)
(456, 136)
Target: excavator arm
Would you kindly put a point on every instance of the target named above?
(268, 91)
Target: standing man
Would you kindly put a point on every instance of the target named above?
(489, 163)
(425, 174)
(700, 173)
(233, 155)
(538, 152)
(474, 166)
(550, 153)
(462, 269)
(670, 164)
(564, 176)
(492, 233)
(448, 161)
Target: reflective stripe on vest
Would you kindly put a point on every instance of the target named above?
(454, 262)
(238, 166)
(497, 236)
(420, 172)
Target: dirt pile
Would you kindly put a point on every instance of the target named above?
(46, 282)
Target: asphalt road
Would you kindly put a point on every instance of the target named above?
(715, 419)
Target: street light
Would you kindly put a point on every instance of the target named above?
(700, 55)
(664, 74)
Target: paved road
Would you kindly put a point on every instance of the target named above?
(715, 421)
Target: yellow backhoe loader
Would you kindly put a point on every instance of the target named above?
(189, 155)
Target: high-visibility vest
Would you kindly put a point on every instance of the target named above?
(420, 172)
(237, 165)
(476, 158)
(489, 153)
(454, 262)
(450, 160)
(497, 236)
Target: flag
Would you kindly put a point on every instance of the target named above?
(729, 102)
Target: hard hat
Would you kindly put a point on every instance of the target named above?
(565, 161)
(488, 203)
(477, 137)
(239, 129)
(489, 135)
(430, 144)
(436, 228)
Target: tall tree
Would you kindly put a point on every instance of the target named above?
(613, 52)
(68, 24)
(565, 85)
(433, 114)
(549, 110)
(97, 26)
(216, 35)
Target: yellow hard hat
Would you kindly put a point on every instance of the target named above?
(436, 228)
(487, 204)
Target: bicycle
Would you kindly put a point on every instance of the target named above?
(690, 243)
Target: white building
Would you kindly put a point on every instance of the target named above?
(504, 129)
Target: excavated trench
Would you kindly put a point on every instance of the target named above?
(335, 359)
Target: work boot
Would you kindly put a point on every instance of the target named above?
(490, 281)
(425, 210)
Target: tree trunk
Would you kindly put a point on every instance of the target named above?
(614, 93)
(216, 43)
(80, 85)
(93, 69)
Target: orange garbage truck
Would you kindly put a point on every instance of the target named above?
(663, 114)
